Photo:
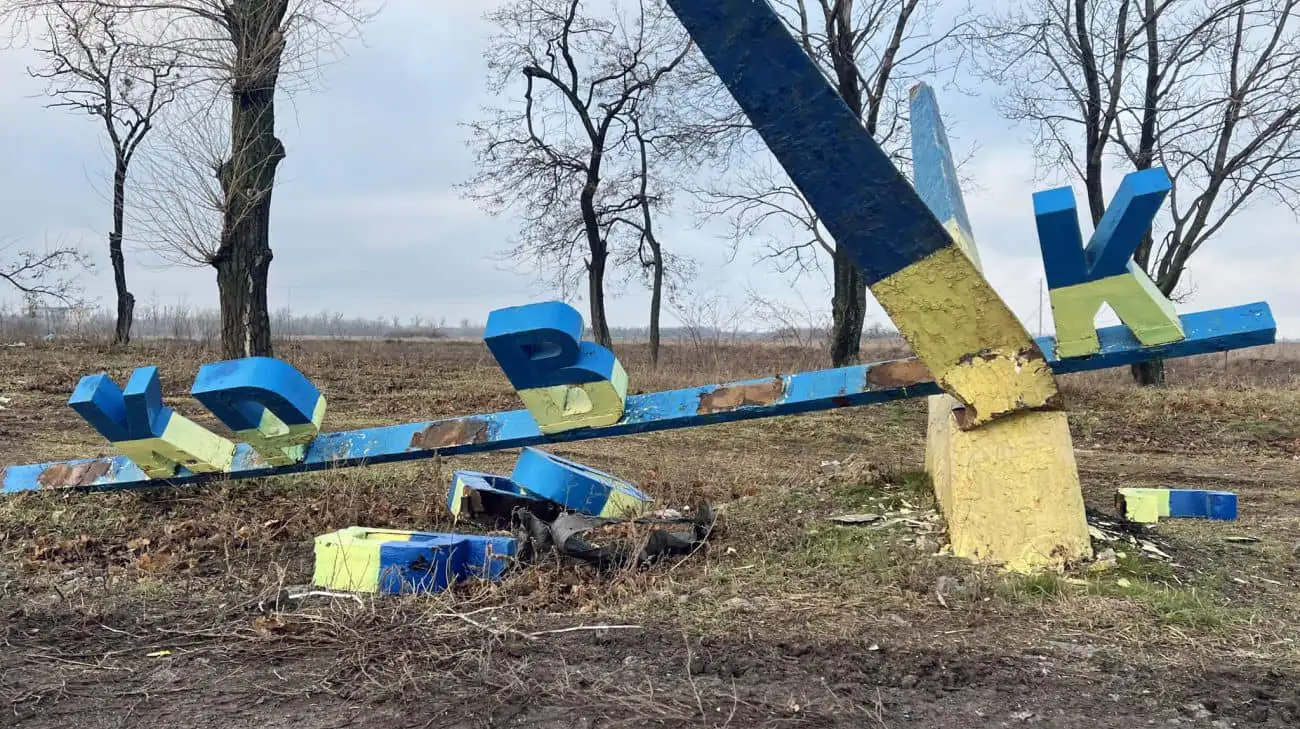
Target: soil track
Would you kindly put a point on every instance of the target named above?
(645, 678)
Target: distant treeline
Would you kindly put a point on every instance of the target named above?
(181, 322)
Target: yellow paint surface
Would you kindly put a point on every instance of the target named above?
(622, 505)
(348, 559)
(965, 241)
(962, 330)
(1009, 490)
(1145, 506)
(280, 444)
(566, 407)
(1135, 299)
(183, 443)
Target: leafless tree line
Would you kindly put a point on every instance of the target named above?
(608, 121)
(209, 201)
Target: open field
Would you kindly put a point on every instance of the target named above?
(164, 608)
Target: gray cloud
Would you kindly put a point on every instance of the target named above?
(367, 221)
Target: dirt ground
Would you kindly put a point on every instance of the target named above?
(175, 607)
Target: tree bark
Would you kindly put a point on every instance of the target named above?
(848, 310)
(656, 304)
(243, 260)
(1149, 374)
(125, 301)
(596, 262)
(849, 300)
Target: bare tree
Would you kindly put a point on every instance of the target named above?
(241, 50)
(1209, 91)
(646, 254)
(552, 159)
(872, 50)
(94, 65)
(44, 274)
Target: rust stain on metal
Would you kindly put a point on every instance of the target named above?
(450, 433)
(842, 401)
(65, 476)
(736, 396)
(903, 373)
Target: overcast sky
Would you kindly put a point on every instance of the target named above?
(366, 220)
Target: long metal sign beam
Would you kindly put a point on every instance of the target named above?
(1207, 331)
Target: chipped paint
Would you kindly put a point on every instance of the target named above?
(902, 373)
(730, 397)
(73, 475)
(449, 433)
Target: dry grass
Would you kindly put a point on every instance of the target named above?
(198, 571)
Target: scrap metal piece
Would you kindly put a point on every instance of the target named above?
(491, 500)
(609, 544)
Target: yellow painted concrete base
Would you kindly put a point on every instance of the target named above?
(964, 332)
(1009, 490)
(566, 407)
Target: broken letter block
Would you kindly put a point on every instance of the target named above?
(393, 562)
(152, 435)
(1081, 279)
(577, 487)
(491, 499)
(564, 382)
(267, 402)
(1148, 506)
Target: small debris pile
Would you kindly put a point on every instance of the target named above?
(892, 505)
(1112, 536)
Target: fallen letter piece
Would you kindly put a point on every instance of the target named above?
(393, 562)
(1148, 506)
(547, 486)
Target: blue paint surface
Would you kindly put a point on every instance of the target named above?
(539, 345)
(488, 483)
(1198, 504)
(238, 391)
(933, 167)
(1127, 219)
(1056, 215)
(432, 562)
(1207, 331)
(119, 415)
(572, 485)
(98, 400)
(863, 200)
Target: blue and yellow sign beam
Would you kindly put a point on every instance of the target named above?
(914, 262)
(1208, 331)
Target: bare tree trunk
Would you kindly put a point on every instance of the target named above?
(125, 301)
(243, 261)
(656, 302)
(849, 300)
(848, 310)
(241, 285)
(596, 263)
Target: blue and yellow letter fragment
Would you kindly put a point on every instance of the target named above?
(267, 402)
(1082, 279)
(564, 382)
(154, 437)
